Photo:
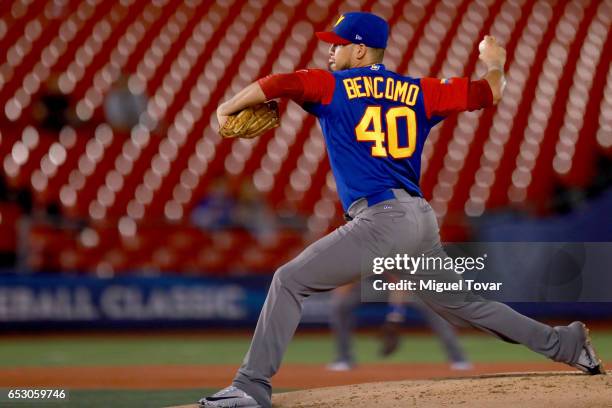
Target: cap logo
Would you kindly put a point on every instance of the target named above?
(358, 37)
(339, 21)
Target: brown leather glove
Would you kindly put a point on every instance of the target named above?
(252, 122)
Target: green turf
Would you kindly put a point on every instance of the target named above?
(131, 398)
(122, 398)
(309, 349)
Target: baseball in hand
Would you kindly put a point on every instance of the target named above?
(491, 53)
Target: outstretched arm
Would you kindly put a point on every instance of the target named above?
(249, 96)
(446, 96)
(307, 85)
(494, 57)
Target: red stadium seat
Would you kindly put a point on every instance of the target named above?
(137, 189)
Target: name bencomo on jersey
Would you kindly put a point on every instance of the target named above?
(379, 87)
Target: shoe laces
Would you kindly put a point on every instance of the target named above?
(226, 390)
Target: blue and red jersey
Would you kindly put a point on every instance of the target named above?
(375, 121)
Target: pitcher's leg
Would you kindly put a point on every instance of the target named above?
(325, 265)
(342, 321)
(563, 343)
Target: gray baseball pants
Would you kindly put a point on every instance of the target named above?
(404, 225)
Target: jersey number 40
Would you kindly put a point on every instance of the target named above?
(369, 129)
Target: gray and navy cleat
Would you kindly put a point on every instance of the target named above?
(588, 361)
(229, 397)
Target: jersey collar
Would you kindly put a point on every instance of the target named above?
(373, 67)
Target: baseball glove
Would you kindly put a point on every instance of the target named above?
(252, 122)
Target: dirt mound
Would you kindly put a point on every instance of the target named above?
(525, 390)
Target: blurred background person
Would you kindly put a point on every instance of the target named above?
(344, 304)
(216, 210)
(122, 107)
(395, 320)
(52, 110)
(253, 213)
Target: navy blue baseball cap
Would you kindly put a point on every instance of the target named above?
(358, 28)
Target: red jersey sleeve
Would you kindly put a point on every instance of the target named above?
(306, 85)
(446, 96)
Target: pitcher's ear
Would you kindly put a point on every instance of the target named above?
(361, 50)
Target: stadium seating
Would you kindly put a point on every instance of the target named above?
(134, 190)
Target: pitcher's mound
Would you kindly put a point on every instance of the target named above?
(524, 390)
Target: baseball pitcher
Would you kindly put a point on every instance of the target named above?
(375, 123)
